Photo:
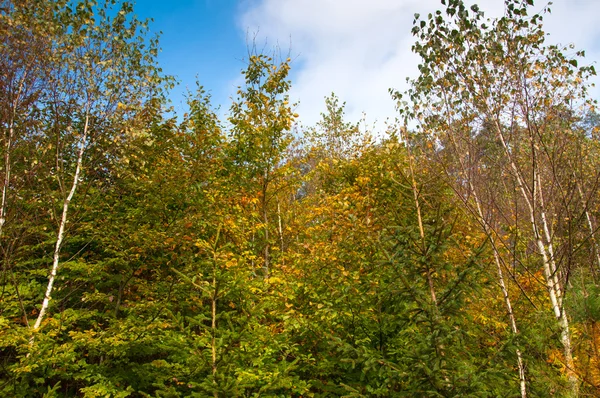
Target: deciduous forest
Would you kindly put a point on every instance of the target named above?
(453, 253)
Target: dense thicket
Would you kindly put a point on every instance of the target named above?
(454, 254)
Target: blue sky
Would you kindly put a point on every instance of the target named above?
(200, 41)
(355, 48)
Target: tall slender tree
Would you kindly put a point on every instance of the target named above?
(99, 70)
(262, 119)
(499, 73)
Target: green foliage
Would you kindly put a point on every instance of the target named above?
(211, 259)
(261, 117)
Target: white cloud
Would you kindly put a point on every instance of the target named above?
(361, 48)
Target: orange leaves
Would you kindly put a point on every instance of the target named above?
(594, 364)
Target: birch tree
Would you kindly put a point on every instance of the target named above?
(100, 72)
(501, 73)
(23, 50)
(23, 57)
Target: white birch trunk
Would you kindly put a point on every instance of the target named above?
(562, 316)
(61, 228)
(497, 260)
(267, 248)
(547, 253)
(504, 289)
(7, 170)
(548, 235)
(8, 149)
(280, 226)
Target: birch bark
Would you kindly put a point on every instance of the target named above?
(62, 225)
(489, 232)
(546, 250)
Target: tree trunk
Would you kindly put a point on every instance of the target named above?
(266, 251)
(546, 250)
(61, 228)
(280, 225)
(265, 216)
(504, 289)
(8, 149)
(488, 230)
(214, 331)
(6, 182)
